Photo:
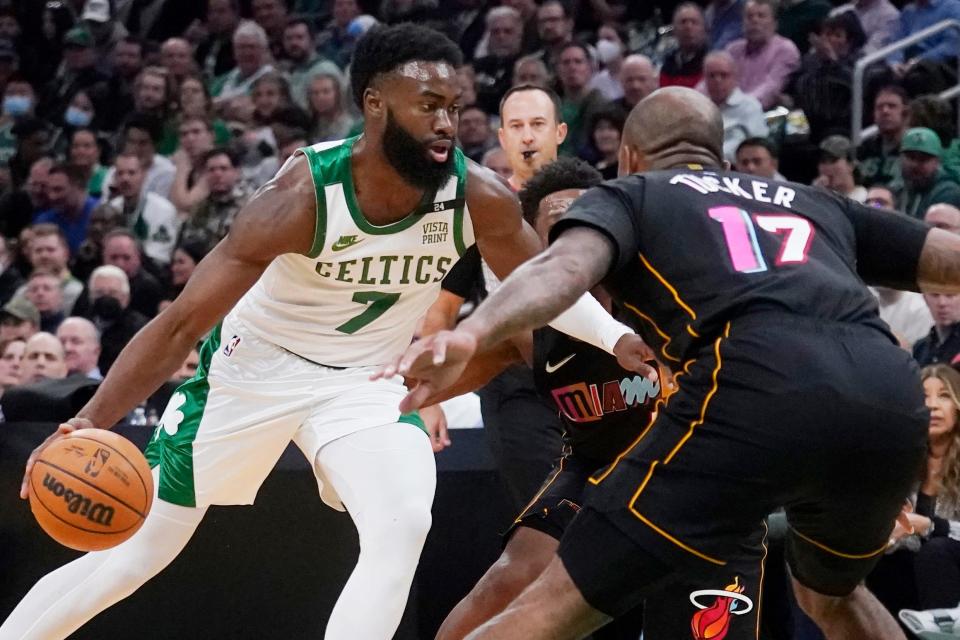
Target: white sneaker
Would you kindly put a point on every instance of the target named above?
(933, 624)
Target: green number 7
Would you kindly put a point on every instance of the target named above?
(379, 303)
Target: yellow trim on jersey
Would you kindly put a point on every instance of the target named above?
(543, 490)
(676, 296)
(763, 564)
(706, 401)
(660, 531)
(666, 338)
(845, 556)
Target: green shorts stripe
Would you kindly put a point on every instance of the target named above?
(172, 444)
(413, 418)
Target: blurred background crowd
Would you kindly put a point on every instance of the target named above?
(132, 131)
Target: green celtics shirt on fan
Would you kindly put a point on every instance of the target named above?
(356, 298)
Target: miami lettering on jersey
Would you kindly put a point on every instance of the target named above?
(583, 402)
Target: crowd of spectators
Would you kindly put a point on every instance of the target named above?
(133, 131)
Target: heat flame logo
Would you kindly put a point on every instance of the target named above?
(712, 621)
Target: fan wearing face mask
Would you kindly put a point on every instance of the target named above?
(19, 100)
(110, 312)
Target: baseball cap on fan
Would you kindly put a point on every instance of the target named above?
(78, 37)
(922, 140)
(96, 11)
(20, 309)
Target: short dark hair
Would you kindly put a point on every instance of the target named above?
(896, 90)
(295, 21)
(680, 7)
(760, 142)
(614, 115)
(204, 120)
(291, 116)
(384, 48)
(848, 22)
(577, 44)
(566, 6)
(86, 129)
(550, 93)
(128, 154)
(564, 173)
(220, 151)
(144, 122)
(474, 107)
(121, 232)
(133, 40)
(773, 4)
(73, 173)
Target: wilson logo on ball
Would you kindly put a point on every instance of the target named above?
(95, 512)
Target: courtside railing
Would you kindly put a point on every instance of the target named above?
(859, 134)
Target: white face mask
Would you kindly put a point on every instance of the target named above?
(607, 50)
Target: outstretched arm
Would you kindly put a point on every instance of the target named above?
(480, 370)
(534, 293)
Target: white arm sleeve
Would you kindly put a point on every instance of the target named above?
(587, 320)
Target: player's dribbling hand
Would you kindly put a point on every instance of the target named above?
(433, 363)
(67, 427)
(633, 354)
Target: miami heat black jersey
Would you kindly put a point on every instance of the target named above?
(696, 247)
(603, 406)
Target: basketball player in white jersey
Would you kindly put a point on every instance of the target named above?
(322, 277)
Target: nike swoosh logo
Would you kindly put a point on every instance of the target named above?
(553, 367)
(345, 242)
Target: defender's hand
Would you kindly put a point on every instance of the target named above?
(434, 363)
(69, 426)
(436, 422)
(633, 354)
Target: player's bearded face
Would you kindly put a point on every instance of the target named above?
(412, 159)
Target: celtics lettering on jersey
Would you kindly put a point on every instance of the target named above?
(355, 299)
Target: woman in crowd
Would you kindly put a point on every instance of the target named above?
(329, 117)
(824, 85)
(605, 141)
(936, 514)
(270, 93)
(11, 353)
(80, 113)
(191, 249)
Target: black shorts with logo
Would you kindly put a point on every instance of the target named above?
(728, 598)
(824, 419)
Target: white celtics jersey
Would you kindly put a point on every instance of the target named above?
(356, 298)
